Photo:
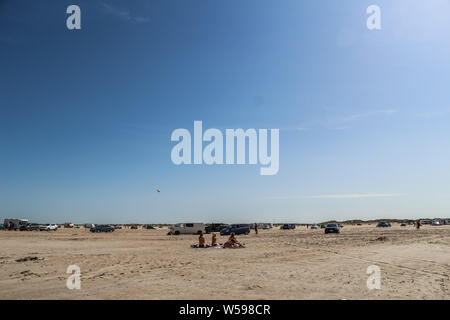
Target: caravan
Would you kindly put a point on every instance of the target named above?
(187, 228)
(14, 224)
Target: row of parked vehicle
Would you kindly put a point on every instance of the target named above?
(223, 229)
(24, 225)
(38, 227)
(198, 228)
(329, 228)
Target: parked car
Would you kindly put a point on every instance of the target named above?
(322, 226)
(134, 227)
(287, 226)
(117, 227)
(215, 227)
(102, 228)
(48, 227)
(2, 227)
(187, 228)
(332, 228)
(314, 226)
(383, 224)
(29, 227)
(149, 227)
(236, 228)
(403, 225)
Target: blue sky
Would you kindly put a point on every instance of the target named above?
(86, 115)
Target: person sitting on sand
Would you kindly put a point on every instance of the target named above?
(201, 240)
(213, 240)
(232, 242)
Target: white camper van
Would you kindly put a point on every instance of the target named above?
(187, 228)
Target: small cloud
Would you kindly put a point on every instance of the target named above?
(297, 129)
(141, 19)
(433, 114)
(342, 128)
(341, 196)
(353, 196)
(354, 117)
(123, 14)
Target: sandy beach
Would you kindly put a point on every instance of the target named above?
(276, 264)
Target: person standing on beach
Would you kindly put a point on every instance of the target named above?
(417, 224)
(256, 228)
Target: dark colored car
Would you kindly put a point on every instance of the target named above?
(403, 225)
(29, 227)
(332, 228)
(287, 226)
(236, 228)
(149, 227)
(102, 228)
(215, 227)
(383, 224)
(322, 226)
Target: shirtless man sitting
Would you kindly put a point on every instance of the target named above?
(201, 240)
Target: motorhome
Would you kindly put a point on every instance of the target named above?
(14, 224)
(187, 228)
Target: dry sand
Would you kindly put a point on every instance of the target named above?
(276, 264)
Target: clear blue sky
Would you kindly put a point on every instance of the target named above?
(86, 116)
